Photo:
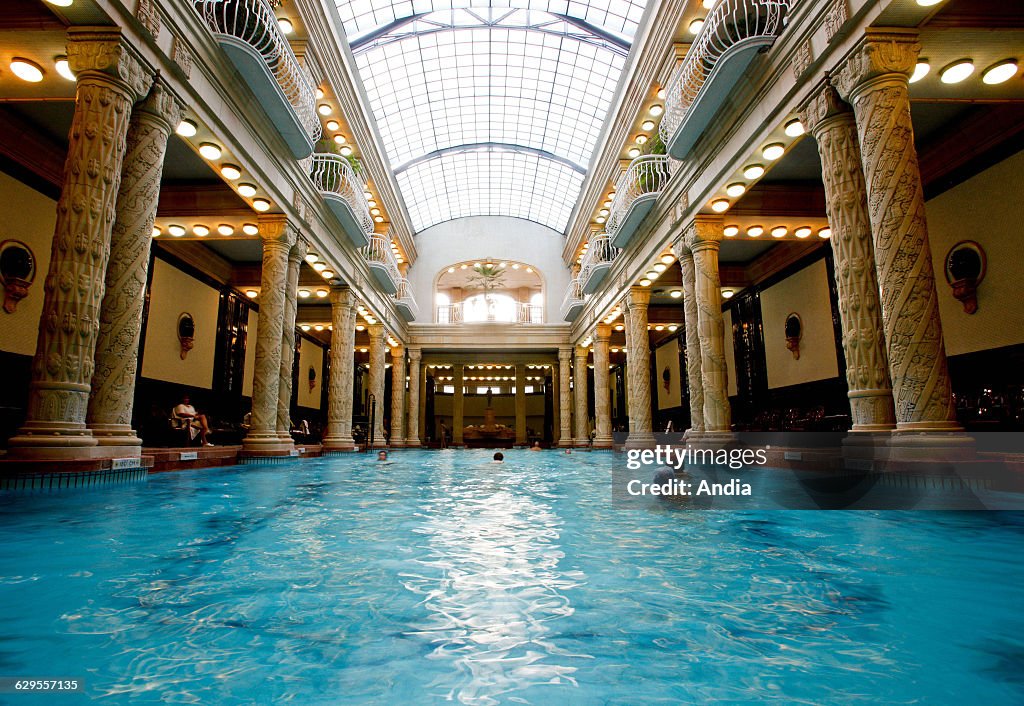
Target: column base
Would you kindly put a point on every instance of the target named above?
(268, 444)
(53, 440)
(337, 444)
(640, 440)
(712, 439)
(412, 443)
(397, 444)
(603, 442)
(115, 435)
(566, 443)
(938, 445)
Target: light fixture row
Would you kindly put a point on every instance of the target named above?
(232, 173)
(320, 266)
(202, 230)
(777, 231)
(962, 69)
(33, 72)
(757, 168)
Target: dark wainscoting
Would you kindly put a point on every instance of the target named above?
(989, 388)
(13, 392)
(821, 405)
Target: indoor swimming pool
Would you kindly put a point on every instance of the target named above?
(444, 578)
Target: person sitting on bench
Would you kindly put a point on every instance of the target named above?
(186, 415)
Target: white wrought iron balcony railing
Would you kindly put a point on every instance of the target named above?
(572, 304)
(502, 310)
(527, 313)
(733, 33)
(345, 194)
(635, 194)
(248, 32)
(382, 262)
(449, 313)
(596, 262)
(405, 302)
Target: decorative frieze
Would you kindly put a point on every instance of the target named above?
(802, 59)
(149, 16)
(181, 55)
(836, 17)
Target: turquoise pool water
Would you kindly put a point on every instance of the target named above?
(443, 578)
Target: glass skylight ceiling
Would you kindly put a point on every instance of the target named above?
(490, 110)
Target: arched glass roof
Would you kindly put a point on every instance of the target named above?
(490, 110)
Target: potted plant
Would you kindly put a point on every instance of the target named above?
(487, 278)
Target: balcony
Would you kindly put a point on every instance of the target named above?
(573, 302)
(248, 32)
(734, 32)
(596, 263)
(635, 194)
(405, 302)
(382, 263)
(345, 194)
(502, 309)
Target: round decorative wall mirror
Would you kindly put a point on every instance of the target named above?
(311, 375)
(17, 271)
(794, 332)
(186, 333)
(966, 266)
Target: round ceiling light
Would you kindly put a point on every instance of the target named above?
(731, 231)
(754, 171)
(253, 229)
(230, 171)
(922, 69)
(957, 72)
(261, 204)
(1001, 72)
(794, 128)
(720, 206)
(736, 190)
(773, 151)
(26, 70)
(210, 151)
(64, 69)
(247, 190)
(755, 231)
(187, 128)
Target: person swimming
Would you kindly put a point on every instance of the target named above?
(536, 446)
(499, 457)
(382, 455)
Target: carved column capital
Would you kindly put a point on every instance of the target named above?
(565, 354)
(703, 230)
(342, 296)
(161, 105)
(581, 352)
(398, 351)
(298, 252)
(824, 107)
(882, 56)
(100, 53)
(639, 297)
(603, 333)
(415, 353)
(375, 331)
(276, 231)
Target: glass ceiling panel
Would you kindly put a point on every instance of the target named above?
(513, 99)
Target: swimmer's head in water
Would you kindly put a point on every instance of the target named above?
(499, 457)
(382, 455)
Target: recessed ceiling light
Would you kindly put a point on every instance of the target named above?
(327, 274)
(1001, 72)
(261, 204)
(61, 3)
(633, 153)
(312, 257)
(755, 231)
(230, 171)
(324, 109)
(333, 125)
(825, 233)
(648, 125)
(156, 231)
(802, 232)
(319, 266)
(247, 190)
(599, 219)
(345, 151)
(736, 190)
(451, 270)
(607, 204)
(928, 3)
(957, 71)
(64, 69)
(319, 93)
(645, 283)
(305, 327)
(210, 151)
(200, 230)
(697, 25)
(794, 128)
(731, 231)
(651, 275)
(727, 293)
(374, 211)
(720, 206)
(659, 267)
(676, 293)
(285, 24)
(708, 4)
(656, 110)
(27, 70)
(322, 293)
(378, 219)
(176, 230)
(251, 293)
(773, 151)
(226, 229)
(922, 69)
(253, 229)
(318, 327)
(187, 128)
(668, 259)
(339, 139)
(642, 139)
(659, 327)
(754, 171)
(780, 232)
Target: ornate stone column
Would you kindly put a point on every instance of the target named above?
(458, 403)
(875, 80)
(398, 396)
(110, 80)
(339, 390)
(521, 438)
(117, 344)
(602, 391)
(291, 307)
(376, 382)
(556, 413)
(694, 382)
(867, 370)
(641, 434)
(702, 237)
(579, 382)
(412, 433)
(278, 237)
(564, 396)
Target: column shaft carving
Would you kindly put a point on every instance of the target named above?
(110, 80)
(117, 344)
(520, 405)
(875, 81)
(398, 396)
(412, 432)
(641, 433)
(702, 238)
(339, 390)
(580, 389)
(694, 379)
(867, 368)
(277, 237)
(291, 306)
(376, 382)
(564, 396)
(602, 392)
(458, 402)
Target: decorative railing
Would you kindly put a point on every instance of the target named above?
(646, 175)
(598, 258)
(449, 313)
(333, 174)
(729, 24)
(254, 22)
(573, 299)
(405, 299)
(379, 254)
(524, 313)
(529, 313)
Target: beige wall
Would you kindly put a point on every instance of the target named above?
(310, 354)
(28, 216)
(730, 354)
(250, 353)
(989, 210)
(805, 293)
(174, 292)
(667, 356)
